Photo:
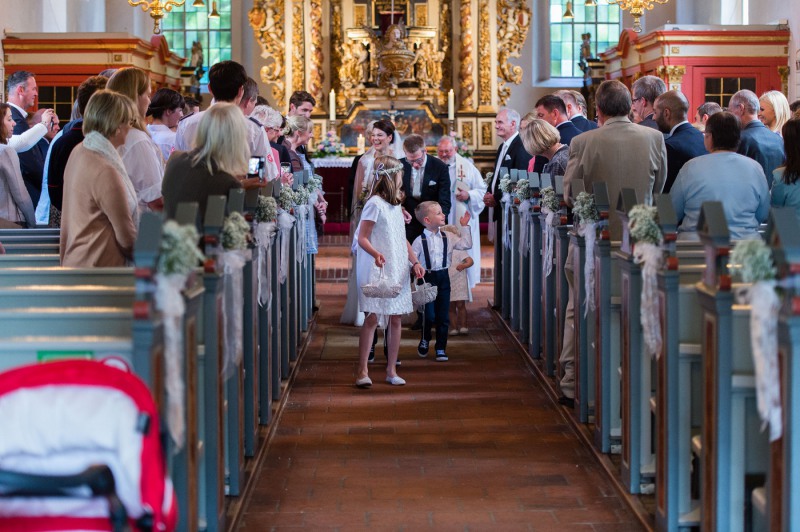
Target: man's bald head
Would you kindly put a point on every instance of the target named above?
(670, 109)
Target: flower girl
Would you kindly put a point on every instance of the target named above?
(383, 251)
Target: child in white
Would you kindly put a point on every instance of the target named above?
(459, 285)
(433, 246)
(382, 245)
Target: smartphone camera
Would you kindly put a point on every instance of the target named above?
(255, 167)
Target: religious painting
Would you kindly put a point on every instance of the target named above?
(421, 14)
(406, 121)
(486, 134)
(359, 15)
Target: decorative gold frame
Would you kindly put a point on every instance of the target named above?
(360, 15)
(421, 14)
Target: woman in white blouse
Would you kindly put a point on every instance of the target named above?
(141, 156)
(15, 202)
(166, 108)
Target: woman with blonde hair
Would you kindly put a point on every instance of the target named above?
(542, 139)
(216, 165)
(142, 156)
(774, 110)
(100, 213)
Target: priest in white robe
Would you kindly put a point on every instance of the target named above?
(467, 189)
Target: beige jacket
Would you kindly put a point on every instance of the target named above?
(97, 228)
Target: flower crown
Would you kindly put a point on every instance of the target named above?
(386, 170)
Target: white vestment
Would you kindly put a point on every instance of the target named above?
(463, 170)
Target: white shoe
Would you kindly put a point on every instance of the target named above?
(464, 330)
(395, 381)
(453, 332)
(363, 382)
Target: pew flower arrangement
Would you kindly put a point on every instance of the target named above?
(523, 194)
(522, 190)
(286, 199)
(330, 146)
(586, 211)
(314, 184)
(752, 261)
(178, 257)
(506, 186)
(647, 251)
(301, 195)
(266, 210)
(488, 180)
(549, 204)
(235, 232)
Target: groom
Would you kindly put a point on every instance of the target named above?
(425, 178)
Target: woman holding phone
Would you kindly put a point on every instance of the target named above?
(218, 164)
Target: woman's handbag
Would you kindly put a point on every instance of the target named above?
(381, 288)
(422, 294)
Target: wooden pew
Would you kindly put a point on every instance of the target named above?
(548, 318)
(514, 256)
(533, 274)
(29, 260)
(560, 286)
(776, 505)
(26, 248)
(730, 445)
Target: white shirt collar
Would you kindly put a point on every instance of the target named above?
(508, 142)
(18, 108)
(672, 131)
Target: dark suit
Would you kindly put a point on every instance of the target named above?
(568, 131)
(283, 153)
(583, 123)
(763, 146)
(685, 143)
(435, 186)
(515, 157)
(71, 136)
(649, 121)
(31, 162)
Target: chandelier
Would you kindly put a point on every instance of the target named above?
(636, 7)
(157, 8)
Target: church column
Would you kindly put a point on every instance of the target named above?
(316, 74)
(485, 63)
(513, 22)
(466, 58)
(298, 70)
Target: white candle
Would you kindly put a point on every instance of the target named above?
(332, 105)
(451, 105)
(360, 143)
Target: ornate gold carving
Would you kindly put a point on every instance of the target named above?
(466, 83)
(316, 73)
(266, 19)
(486, 134)
(420, 14)
(298, 47)
(445, 25)
(466, 132)
(359, 15)
(783, 72)
(485, 59)
(336, 39)
(673, 73)
(513, 22)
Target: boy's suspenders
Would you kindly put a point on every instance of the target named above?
(427, 253)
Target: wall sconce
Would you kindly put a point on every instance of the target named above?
(214, 13)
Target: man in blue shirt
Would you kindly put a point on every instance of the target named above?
(757, 142)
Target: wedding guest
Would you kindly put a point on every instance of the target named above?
(757, 141)
(786, 187)
(774, 110)
(100, 215)
(166, 108)
(273, 123)
(15, 202)
(704, 111)
(794, 107)
(542, 139)
(141, 156)
(190, 107)
(216, 165)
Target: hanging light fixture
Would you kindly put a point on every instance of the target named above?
(590, 3)
(198, 3)
(157, 8)
(568, 13)
(214, 13)
(637, 7)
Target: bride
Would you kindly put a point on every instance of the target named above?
(385, 141)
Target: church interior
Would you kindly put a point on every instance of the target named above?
(673, 441)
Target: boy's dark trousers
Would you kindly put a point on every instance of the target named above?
(438, 311)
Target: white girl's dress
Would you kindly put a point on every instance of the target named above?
(389, 238)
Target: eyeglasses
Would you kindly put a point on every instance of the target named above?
(637, 99)
(417, 160)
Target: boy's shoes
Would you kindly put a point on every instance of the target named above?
(441, 356)
(422, 348)
(453, 332)
(371, 357)
(464, 331)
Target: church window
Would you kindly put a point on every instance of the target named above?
(720, 90)
(602, 21)
(188, 24)
(57, 98)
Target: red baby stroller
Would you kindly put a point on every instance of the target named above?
(80, 450)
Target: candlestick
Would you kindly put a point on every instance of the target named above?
(451, 105)
(332, 105)
(360, 144)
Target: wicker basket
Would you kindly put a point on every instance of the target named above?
(422, 293)
(381, 288)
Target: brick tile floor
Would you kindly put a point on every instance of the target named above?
(475, 443)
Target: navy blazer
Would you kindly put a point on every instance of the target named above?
(649, 121)
(583, 123)
(568, 131)
(435, 187)
(685, 143)
(31, 162)
(764, 146)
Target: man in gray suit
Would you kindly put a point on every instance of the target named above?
(623, 155)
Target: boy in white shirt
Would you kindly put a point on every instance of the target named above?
(436, 253)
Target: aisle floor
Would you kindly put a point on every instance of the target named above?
(471, 444)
